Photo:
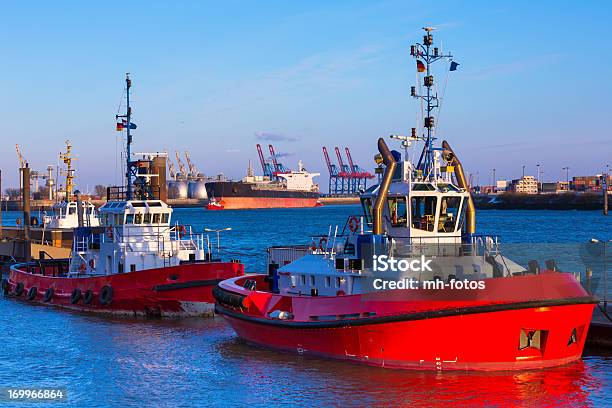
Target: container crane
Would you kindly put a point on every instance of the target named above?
(359, 175)
(335, 182)
(265, 165)
(278, 167)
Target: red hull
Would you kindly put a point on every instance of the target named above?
(435, 334)
(184, 290)
(240, 203)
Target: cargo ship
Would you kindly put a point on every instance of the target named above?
(470, 308)
(281, 188)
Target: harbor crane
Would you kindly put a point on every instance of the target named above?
(278, 166)
(192, 168)
(265, 165)
(170, 165)
(182, 171)
(345, 179)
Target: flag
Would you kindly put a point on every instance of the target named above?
(119, 126)
(132, 125)
(453, 66)
(420, 66)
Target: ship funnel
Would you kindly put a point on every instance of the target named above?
(451, 158)
(383, 189)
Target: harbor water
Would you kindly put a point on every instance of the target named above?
(105, 361)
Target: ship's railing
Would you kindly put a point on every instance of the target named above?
(45, 267)
(164, 239)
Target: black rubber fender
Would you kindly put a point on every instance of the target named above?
(106, 295)
(88, 297)
(75, 296)
(18, 289)
(227, 298)
(48, 294)
(32, 292)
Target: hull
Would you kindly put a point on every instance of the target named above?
(241, 203)
(177, 291)
(419, 334)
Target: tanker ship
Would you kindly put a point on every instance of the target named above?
(277, 188)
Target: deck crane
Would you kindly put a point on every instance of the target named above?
(182, 171)
(265, 165)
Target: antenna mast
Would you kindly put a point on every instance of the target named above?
(127, 123)
(67, 159)
(425, 56)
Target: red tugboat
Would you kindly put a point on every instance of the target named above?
(136, 262)
(461, 305)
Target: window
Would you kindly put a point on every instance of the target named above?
(138, 219)
(132, 267)
(156, 218)
(71, 210)
(165, 218)
(449, 212)
(303, 280)
(398, 212)
(338, 282)
(120, 267)
(423, 213)
(147, 218)
(312, 280)
(366, 204)
(327, 281)
(129, 219)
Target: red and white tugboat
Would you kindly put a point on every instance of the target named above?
(456, 304)
(136, 262)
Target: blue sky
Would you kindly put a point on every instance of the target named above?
(215, 78)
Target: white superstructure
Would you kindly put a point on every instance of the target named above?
(64, 215)
(134, 235)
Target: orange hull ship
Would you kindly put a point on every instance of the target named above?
(235, 203)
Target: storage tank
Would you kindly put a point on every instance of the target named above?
(178, 189)
(197, 188)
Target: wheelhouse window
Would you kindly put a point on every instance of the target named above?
(398, 211)
(129, 219)
(423, 212)
(147, 218)
(138, 218)
(165, 218)
(449, 213)
(366, 204)
(71, 210)
(156, 218)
